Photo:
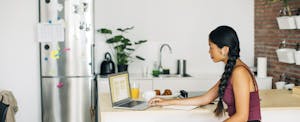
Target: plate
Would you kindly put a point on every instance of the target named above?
(174, 95)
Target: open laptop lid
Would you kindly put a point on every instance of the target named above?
(119, 88)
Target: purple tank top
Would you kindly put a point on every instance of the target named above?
(254, 110)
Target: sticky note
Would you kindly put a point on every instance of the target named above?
(55, 54)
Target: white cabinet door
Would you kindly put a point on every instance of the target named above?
(183, 84)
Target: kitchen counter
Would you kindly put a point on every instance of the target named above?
(279, 99)
(274, 103)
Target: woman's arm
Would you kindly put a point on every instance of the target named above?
(241, 87)
(199, 100)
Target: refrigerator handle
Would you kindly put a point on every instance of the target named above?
(93, 59)
(94, 99)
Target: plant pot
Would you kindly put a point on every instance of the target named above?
(286, 22)
(286, 55)
(122, 68)
(297, 57)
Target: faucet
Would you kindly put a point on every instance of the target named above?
(160, 50)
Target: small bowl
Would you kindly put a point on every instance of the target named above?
(289, 86)
(280, 84)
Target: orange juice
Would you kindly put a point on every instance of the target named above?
(135, 92)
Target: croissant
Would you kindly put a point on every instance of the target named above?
(157, 92)
(167, 92)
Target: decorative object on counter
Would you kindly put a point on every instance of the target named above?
(166, 71)
(122, 47)
(107, 66)
(184, 94)
(181, 68)
(155, 71)
(280, 84)
(289, 86)
(262, 67)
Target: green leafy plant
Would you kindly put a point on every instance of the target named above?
(286, 8)
(122, 47)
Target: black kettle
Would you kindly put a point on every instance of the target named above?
(107, 66)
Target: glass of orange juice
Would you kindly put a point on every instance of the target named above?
(135, 90)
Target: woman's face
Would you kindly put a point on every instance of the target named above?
(215, 52)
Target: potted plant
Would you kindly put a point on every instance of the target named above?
(285, 19)
(122, 47)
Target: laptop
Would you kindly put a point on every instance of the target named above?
(120, 93)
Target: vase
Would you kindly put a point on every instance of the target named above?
(122, 68)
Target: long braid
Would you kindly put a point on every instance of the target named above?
(219, 111)
(225, 36)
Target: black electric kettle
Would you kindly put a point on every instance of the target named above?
(107, 66)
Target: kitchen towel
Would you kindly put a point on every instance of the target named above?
(262, 67)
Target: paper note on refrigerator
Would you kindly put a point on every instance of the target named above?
(50, 32)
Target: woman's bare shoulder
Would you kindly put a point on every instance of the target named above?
(240, 72)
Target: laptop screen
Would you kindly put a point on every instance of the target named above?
(119, 86)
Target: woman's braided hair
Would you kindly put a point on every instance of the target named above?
(225, 36)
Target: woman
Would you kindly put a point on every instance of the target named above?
(237, 86)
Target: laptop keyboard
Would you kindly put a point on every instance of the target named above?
(131, 103)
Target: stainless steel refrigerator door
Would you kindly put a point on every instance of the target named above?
(74, 55)
(67, 100)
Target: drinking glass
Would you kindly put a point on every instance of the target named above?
(135, 90)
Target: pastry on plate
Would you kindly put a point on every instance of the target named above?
(157, 92)
(167, 92)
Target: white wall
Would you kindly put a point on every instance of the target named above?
(19, 66)
(184, 24)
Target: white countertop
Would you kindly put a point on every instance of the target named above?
(276, 106)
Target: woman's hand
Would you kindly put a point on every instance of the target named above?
(157, 102)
